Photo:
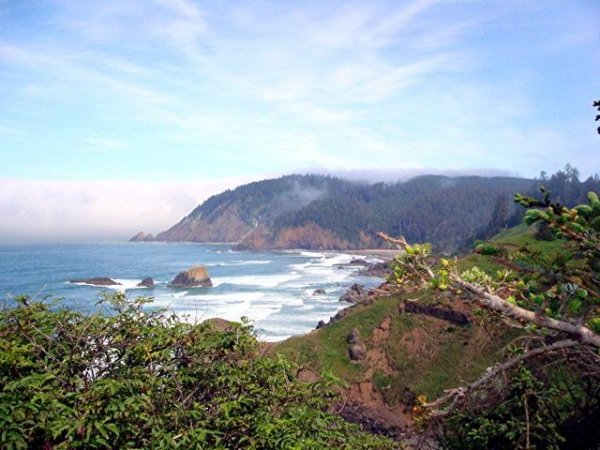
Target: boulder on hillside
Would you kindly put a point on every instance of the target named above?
(97, 281)
(146, 282)
(357, 352)
(353, 337)
(356, 294)
(439, 312)
(194, 277)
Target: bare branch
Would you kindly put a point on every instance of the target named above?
(456, 395)
(498, 304)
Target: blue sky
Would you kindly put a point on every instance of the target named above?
(206, 95)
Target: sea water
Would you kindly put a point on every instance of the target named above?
(275, 290)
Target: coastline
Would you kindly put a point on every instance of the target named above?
(385, 253)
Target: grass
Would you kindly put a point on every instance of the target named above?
(326, 349)
(426, 355)
(520, 236)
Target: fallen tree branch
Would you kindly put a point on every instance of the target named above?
(458, 394)
(498, 304)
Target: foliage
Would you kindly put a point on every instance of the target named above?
(565, 286)
(554, 297)
(137, 379)
(523, 420)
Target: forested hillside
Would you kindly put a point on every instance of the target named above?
(324, 212)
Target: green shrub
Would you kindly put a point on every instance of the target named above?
(137, 379)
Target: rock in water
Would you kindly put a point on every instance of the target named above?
(380, 270)
(146, 282)
(357, 293)
(138, 237)
(97, 281)
(142, 237)
(194, 277)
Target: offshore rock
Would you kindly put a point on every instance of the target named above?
(356, 294)
(142, 237)
(146, 282)
(194, 277)
(97, 281)
(379, 269)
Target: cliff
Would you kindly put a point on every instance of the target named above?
(323, 212)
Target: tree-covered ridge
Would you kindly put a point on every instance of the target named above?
(144, 379)
(316, 211)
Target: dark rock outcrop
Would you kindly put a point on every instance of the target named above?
(194, 277)
(320, 324)
(97, 281)
(439, 312)
(319, 291)
(357, 351)
(146, 282)
(355, 294)
(358, 262)
(353, 337)
(379, 269)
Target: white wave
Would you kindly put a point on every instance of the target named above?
(227, 297)
(302, 266)
(241, 263)
(264, 281)
(313, 254)
(121, 286)
(127, 284)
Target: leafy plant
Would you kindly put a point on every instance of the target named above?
(138, 379)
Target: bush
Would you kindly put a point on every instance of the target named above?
(136, 379)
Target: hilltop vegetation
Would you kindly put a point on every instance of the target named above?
(323, 212)
(313, 211)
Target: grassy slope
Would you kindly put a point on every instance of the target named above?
(422, 353)
(513, 238)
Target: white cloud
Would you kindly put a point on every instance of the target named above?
(97, 209)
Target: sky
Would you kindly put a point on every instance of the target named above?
(117, 116)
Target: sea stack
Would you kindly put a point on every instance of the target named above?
(193, 277)
(146, 282)
(142, 237)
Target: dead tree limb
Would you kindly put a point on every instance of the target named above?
(455, 396)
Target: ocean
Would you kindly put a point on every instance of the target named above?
(275, 290)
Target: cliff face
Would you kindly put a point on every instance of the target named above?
(322, 212)
(307, 236)
(225, 227)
